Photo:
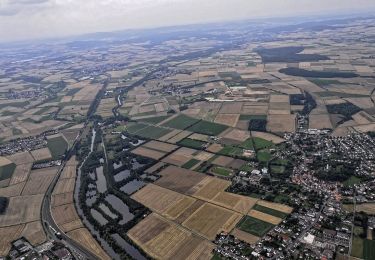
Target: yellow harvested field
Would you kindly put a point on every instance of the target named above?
(68, 172)
(275, 206)
(180, 157)
(265, 217)
(214, 148)
(365, 128)
(363, 118)
(195, 248)
(64, 186)
(84, 238)
(223, 160)
(235, 202)
(168, 136)
(154, 168)
(255, 110)
(159, 146)
(148, 153)
(179, 207)
(13, 190)
(244, 236)
(72, 225)
(369, 208)
(279, 98)
(209, 220)
(321, 121)
(21, 158)
(8, 234)
(4, 161)
(156, 198)
(227, 119)
(41, 154)
(238, 135)
(34, 233)
(268, 136)
(203, 156)
(209, 188)
(39, 181)
(64, 214)
(22, 209)
(21, 173)
(281, 123)
(61, 199)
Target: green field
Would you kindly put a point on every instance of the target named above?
(246, 168)
(248, 144)
(231, 151)
(270, 211)
(152, 132)
(190, 164)
(221, 171)
(369, 249)
(277, 169)
(260, 143)
(6, 171)
(264, 156)
(191, 143)
(154, 120)
(357, 247)
(134, 127)
(57, 147)
(351, 181)
(181, 122)
(254, 226)
(207, 128)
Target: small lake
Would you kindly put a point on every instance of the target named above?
(122, 175)
(101, 182)
(99, 217)
(117, 165)
(121, 207)
(132, 186)
(107, 211)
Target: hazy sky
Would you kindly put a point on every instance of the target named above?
(28, 19)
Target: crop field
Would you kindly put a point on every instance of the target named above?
(58, 146)
(152, 132)
(275, 206)
(200, 137)
(181, 122)
(322, 121)
(369, 208)
(61, 199)
(179, 137)
(156, 198)
(154, 120)
(6, 170)
(207, 128)
(209, 220)
(68, 172)
(227, 119)
(159, 146)
(170, 135)
(238, 203)
(222, 161)
(83, 237)
(22, 209)
(64, 186)
(190, 164)
(261, 143)
(244, 236)
(208, 188)
(21, 158)
(214, 148)
(165, 240)
(13, 190)
(132, 128)
(180, 156)
(254, 226)
(154, 168)
(179, 207)
(221, 171)
(8, 234)
(195, 144)
(238, 135)
(41, 154)
(281, 123)
(265, 217)
(21, 173)
(369, 249)
(268, 136)
(34, 233)
(64, 214)
(156, 155)
(39, 180)
(179, 179)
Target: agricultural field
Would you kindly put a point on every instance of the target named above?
(254, 226)
(207, 128)
(57, 145)
(180, 122)
(43, 154)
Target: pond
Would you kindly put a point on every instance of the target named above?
(132, 186)
(98, 217)
(101, 182)
(117, 165)
(121, 207)
(107, 211)
(122, 175)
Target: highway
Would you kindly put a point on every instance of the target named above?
(49, 225)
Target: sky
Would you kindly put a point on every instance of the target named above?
(38, 19)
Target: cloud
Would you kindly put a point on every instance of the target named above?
(26, 19)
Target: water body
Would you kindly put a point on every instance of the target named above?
(99, 217)
(134, 253)
(101, 182)
(136, 165)
(122, 175)
(107, 211)
(121, 207)
(132, 186)
(139, 142)
(116, 166)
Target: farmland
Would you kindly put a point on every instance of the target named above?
(254, 226)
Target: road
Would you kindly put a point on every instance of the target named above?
(48, 221)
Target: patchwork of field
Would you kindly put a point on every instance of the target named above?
(281, 123)
(162, 239)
